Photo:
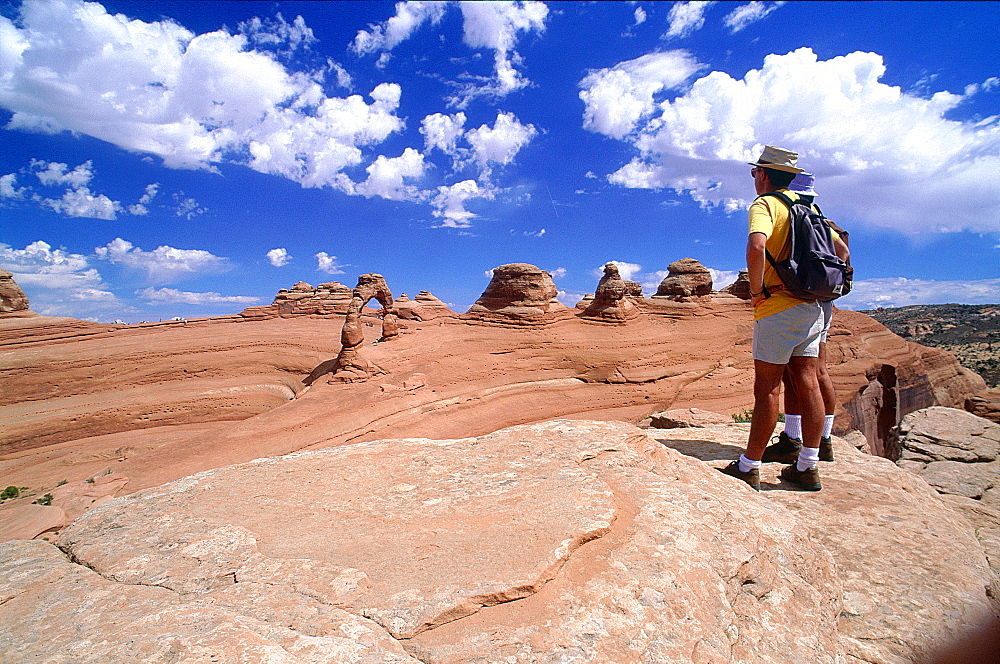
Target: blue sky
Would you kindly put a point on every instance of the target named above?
(165, 159)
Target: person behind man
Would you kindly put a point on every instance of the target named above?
(786, 330)
(790, 440)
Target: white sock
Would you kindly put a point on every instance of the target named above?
(746, 465)
(808, 458)
(828, 426)
(793, 426)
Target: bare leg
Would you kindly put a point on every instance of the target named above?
(825, 384)
(766, 388)
(803, 370)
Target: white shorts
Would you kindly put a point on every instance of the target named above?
(795, 331)
(827, 319)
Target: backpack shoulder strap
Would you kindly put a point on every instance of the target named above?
(780, 196)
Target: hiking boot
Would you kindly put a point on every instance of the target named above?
(807, 480)
(786, 450)
(825, 449)
(752, 477)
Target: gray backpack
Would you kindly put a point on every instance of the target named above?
(812, 270)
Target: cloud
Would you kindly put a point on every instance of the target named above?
(686, 17)
(450, 203)
(9, 188)
(501, 143)
(144, 200)
(58, 283)
(722, 278)
(640, 15)
(617, 98)
(52, 173)
(409, 16)
(749, 13)
(490, 25)
(900, 171)
(901, 292)
(626, 270)
(558, 273)
(173, 296)
(193, 100)
(279, 257)
(82, 203)
(385, 177)
(163, 264)
(442, 132)
(327, 263)
(495, 25)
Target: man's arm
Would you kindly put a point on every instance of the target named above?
(756, 260)
(843, 253)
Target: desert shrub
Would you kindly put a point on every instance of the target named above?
(61, 482)
(44, 500)
(743, 417)
(9, 492)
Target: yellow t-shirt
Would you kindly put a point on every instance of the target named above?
(768, 215)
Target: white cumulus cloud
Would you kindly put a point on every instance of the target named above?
(881, 156)
(450, 203)
(279, 257)
(490, 25)
(57, 282)
(749, 13)
(386, 175)
(164, 263)
(409, 16)
(9, 188)
(327, 263)
(617, 98)
(443, 131)
(902, 292)
(500, 143)
(193, 100)
(686, 17)
(173, 296)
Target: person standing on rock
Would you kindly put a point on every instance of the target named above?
(789, 443)
(786, 330)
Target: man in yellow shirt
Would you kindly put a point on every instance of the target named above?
(786, 330)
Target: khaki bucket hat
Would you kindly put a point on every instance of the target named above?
(779, 159)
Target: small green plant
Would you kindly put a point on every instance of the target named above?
(89, 480)
(44, 500)
(10, 492)
(741, 418)
(61, 482)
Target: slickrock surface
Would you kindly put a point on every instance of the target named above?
(160, 401)
(552, 542)
(952, 450)
(680, 418)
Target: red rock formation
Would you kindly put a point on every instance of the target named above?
(985, 404)
(170, 392)
(519, 294)
(613, 298)
(329, 299)
(423, 307)
(12, 298)
(687, 278)
(741, 287)
(350, 366)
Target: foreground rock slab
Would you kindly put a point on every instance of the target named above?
(553, 542)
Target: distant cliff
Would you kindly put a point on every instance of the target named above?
(971, 332)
